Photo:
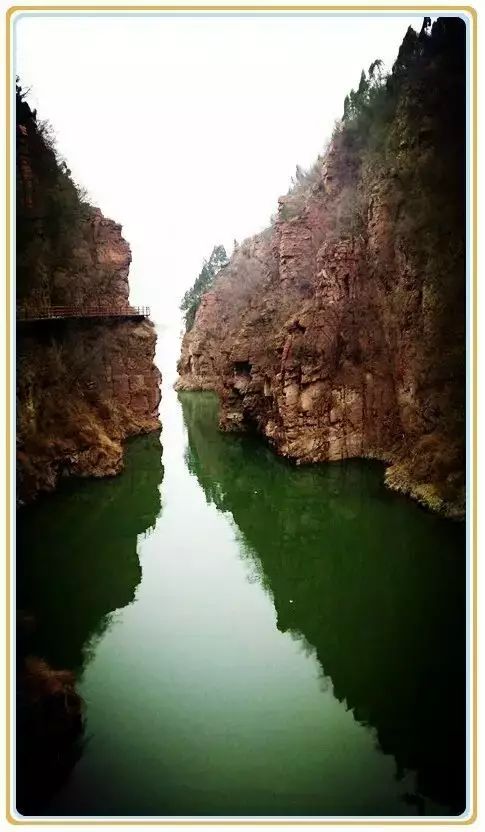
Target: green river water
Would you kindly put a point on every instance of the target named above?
(249, 637)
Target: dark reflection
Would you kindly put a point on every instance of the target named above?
(76, 563)
(374, 583)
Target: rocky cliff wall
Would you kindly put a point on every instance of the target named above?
(85, 385)
(339, 332)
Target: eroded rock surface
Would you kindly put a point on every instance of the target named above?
(339, 332)
(83, 385)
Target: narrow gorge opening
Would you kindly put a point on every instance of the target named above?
(241, 568)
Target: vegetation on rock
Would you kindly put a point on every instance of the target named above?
(51, 208)
(82, 385)
(353, 329)
(205, 280)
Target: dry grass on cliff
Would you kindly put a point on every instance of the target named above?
(431, 473)
(241, 282)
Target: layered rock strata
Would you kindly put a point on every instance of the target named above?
(85, 384)
(340, 331)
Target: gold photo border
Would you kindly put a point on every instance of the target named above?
(472, 517)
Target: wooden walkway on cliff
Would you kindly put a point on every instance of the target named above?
(33, 314)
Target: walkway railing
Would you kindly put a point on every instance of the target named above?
(31, 313)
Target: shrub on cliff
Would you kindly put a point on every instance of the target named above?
(193, 296)
(50, 207)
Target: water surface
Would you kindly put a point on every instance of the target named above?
(250, 637)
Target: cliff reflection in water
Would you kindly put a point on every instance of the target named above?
(77, 562)
(372, 582)
(84, 539)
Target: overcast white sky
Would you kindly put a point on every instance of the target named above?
(187, 129)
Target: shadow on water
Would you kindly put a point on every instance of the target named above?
(77, 562)
(373, 583)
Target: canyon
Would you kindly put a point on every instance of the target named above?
(247, 622)
(85, 383)
(339, 331)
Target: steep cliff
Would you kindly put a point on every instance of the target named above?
(84, 384)
(340, 331)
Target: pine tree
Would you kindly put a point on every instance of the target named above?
(210, 269)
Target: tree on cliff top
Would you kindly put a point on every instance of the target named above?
(210, 269)
(50, 210)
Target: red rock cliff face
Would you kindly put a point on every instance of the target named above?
(101, 260)
(338, 339)
(83, 386)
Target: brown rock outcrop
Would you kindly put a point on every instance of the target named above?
(79, 396)
(50, 714)
(83, 385)
(339, 332)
